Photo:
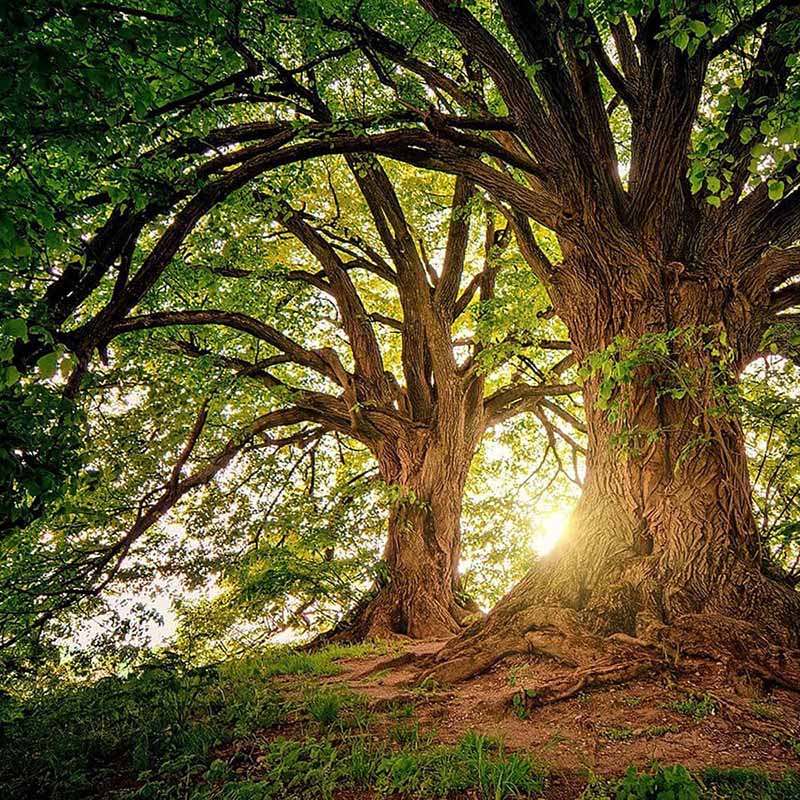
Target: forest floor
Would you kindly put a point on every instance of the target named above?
(359, 723)
(699, 722)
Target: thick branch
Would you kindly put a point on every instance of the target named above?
(325, 362)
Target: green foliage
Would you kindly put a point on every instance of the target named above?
(111, 116)
(771, 419)
(697, 706)
(618, 734)
(476, 763)
(678, 363)
(163, 722)
(764, 710)
(676, 783)
(324, 705)
(666, 783)
(749, 784)
(318, 663)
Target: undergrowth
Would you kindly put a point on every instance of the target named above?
(677, 783)
(166, 717)
(173, 731)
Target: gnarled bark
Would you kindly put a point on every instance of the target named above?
(418, 592)
(663, 536)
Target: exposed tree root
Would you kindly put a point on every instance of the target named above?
(562, 688)
(597, 661)
(740, 645)
(387, 613)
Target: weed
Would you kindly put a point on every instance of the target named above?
(324, 706)
(750, 784)
(664, 783)
(398, 710)
(789, 741)
(516, 673)
(286, 661)
(631, 700)
(618, 734)
(363, 762)
(408, 734)
(598, 789)
(765, 710)
(696, 706)
(476, 763)
(519, 702)
(166, 717)
(428, 686)
(659, 730)
(310, 769)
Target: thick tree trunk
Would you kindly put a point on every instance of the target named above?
(418, 593)
(663, 535)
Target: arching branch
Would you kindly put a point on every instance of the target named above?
(325, 362)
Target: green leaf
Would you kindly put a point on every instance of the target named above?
(47, 364)
(775, 190)
(682, 40)
(699, 28)
(11, 376)
(746, 134)
(16, 329)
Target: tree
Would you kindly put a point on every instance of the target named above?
(658, 143)
(422, 431)
(668, 284)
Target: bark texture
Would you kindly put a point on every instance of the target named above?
(662, 546)
(418, 596)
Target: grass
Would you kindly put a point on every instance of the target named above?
(286, 661)
(317, 768)
(477, 764)
(764, 710)
(173, 731)
(749, 784)
(626, 733)
(324, 707)
(618, 734)
(166, 717)
(631, 700)
(677, 783)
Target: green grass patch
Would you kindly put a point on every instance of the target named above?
(165, 717)
(765, 710)
(317, 768)
(696, 706)
(618, 734)
(749, 784)
(677, 783)
(477, 764)
(320, 663)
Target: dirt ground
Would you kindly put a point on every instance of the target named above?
(601, 731)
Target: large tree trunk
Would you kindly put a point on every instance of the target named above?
(418, 593)
(663, 535)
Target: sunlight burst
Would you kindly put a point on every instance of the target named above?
(551, 528)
